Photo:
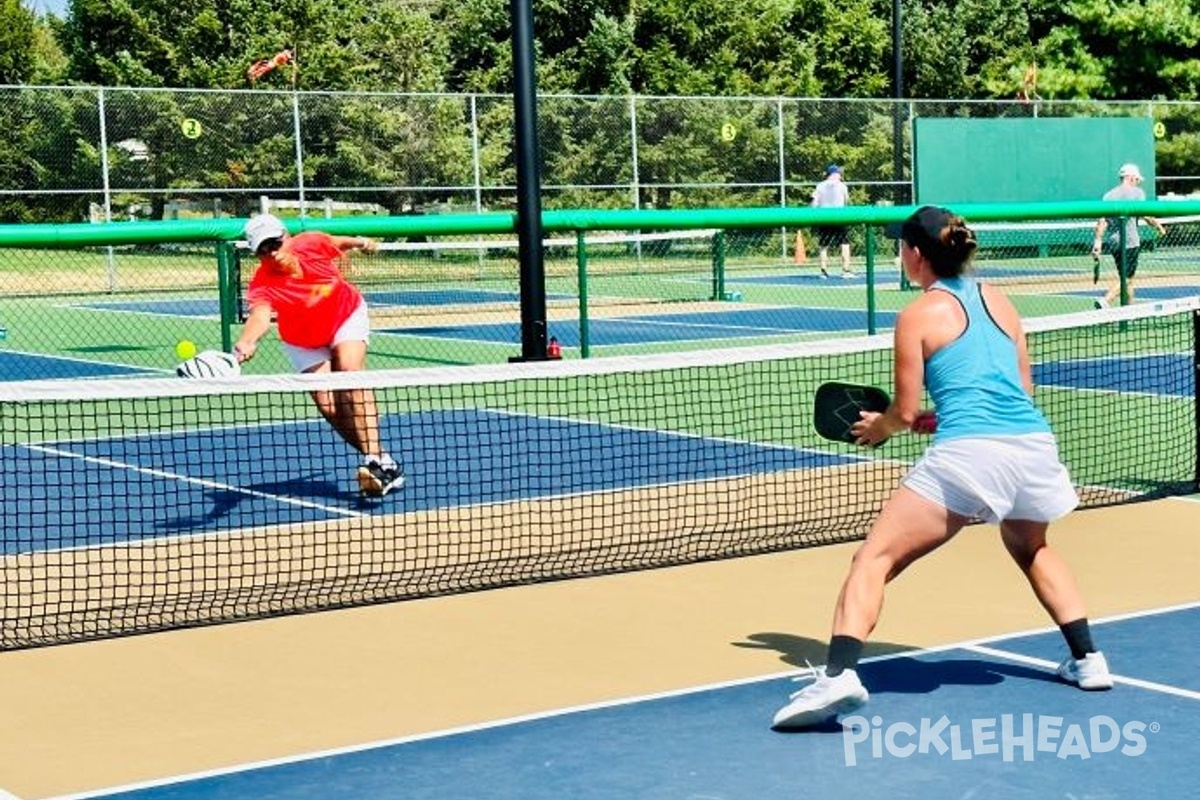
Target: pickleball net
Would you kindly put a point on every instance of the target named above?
(139, 505)
(478, 275)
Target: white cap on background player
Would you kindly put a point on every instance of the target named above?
(1130, 171)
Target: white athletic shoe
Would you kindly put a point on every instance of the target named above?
(1101, 303)
(1089, 672)
(821, 700)
(376, 480)
(847, 274)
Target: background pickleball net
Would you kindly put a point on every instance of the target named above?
(479, 275)
(131, 506)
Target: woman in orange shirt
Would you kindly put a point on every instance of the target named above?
(324, 327)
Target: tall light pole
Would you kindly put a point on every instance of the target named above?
(529, 203)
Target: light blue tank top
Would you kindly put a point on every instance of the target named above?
(974, 380)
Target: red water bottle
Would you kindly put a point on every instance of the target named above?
(553, 348)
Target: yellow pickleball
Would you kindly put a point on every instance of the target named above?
(185, 349)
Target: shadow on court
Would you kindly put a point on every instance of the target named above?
(899, 674)
(908, 675)
(313, 487)
(801, 651)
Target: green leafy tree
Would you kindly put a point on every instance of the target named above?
(50, 60)
(965, 49)
(17, 42)
(1140, 49)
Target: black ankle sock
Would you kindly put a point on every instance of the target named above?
(844, 652)
(1079, 637)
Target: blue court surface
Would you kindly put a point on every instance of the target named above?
(985, 719)
(644, 329)
(1149, 292)
(454, 459)
(1162, 374)
(20, 366)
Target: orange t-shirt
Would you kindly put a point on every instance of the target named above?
(309, 307)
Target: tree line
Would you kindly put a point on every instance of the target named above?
(962, 49)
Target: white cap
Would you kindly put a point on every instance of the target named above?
(263, 227)
(1130, 171)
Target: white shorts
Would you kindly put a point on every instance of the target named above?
(994, 478)
(356, 328)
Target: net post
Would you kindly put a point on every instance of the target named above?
(581, 265)
(226, 290)
(1196, 385)
(870, 278)
(718, 260)
(534, 335)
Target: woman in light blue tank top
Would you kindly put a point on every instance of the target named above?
(993, 459)
(975, 380)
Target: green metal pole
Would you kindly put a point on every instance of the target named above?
(718, 288)
(871, 279)
(226, 293)
(585, 348)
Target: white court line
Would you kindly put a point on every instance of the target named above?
(207, 484)
(1008, 655)
(971, 644)
(172, 315)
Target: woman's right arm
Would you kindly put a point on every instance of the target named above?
(909, 367)
(257, 324)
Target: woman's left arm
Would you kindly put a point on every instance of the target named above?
(362, 243)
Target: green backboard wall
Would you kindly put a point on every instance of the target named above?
(1027, 160)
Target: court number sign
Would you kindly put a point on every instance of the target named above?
(191, 128)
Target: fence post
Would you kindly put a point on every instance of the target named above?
(227, 291)
(299, 152)
(783, 235)
(634, 175)
(633, 152)
(110, 262)
(477, 167)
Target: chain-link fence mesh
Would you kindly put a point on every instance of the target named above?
(74, 154)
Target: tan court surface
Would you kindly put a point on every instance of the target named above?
(114, 712)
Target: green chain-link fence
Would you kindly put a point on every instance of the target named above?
(77, 154)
